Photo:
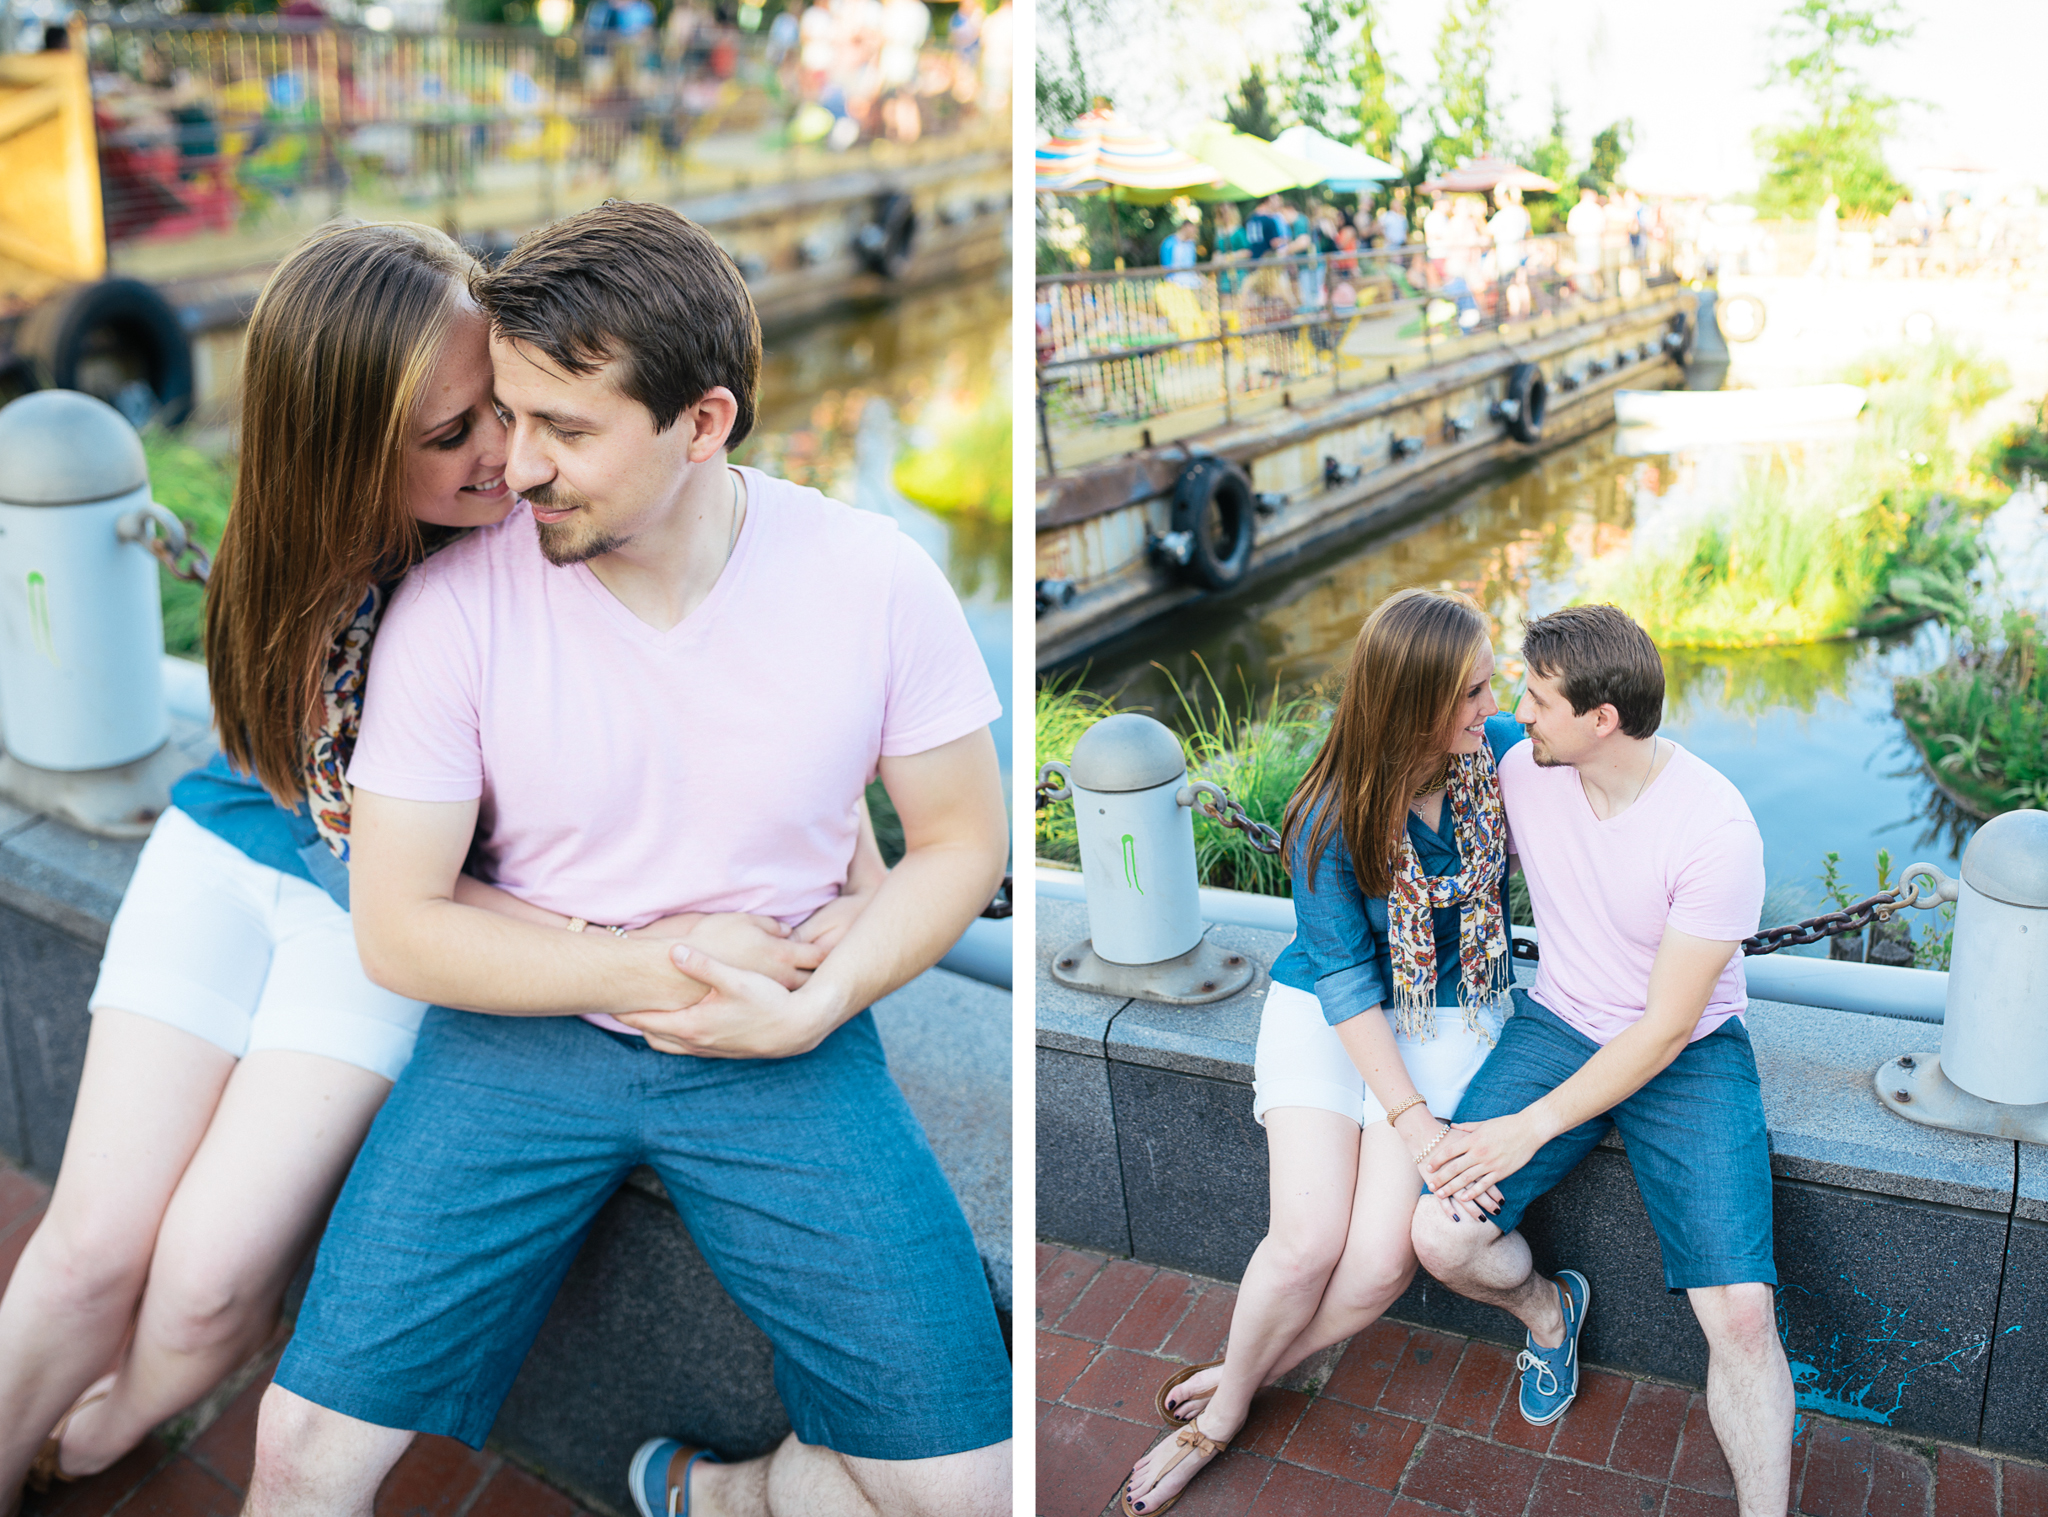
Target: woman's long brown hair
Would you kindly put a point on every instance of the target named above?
(1414, 656)
(338, 351)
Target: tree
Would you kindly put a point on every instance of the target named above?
(1378, 122)
(1316, 83)
(1252, 110)
(1836, 146)
(1464, 113)
(1060, 88)
(1610, 152)
(1552, 157)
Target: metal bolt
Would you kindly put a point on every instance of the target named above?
(1208, 984)
(1905, 1061)
(1903, 1096)
(1234, 959)
(1066, 963)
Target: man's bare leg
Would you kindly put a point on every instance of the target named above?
(1749, 1392)
(1479, 1261)
(802, 1480)
(313, 1462)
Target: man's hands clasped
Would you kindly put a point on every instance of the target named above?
(1467, 1167)
(1429, 1138)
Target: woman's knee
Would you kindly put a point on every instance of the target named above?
(1373, 1272)
(199, 1302)
(83, 1262)
(1303, 1255)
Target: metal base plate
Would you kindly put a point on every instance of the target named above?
(1914, 1086)
(1204, 973)
(122, 802)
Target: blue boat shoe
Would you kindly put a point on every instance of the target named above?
(1550, 1376)
(661, 1487)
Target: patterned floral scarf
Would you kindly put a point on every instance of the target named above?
(1485, 970)
(333, 743)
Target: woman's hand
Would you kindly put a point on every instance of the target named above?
(828, 924)
(1477, 1156)
(757, 945)
(1419, 1129)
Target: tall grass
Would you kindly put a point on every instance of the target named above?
(1881, 535)
(1980, 720)
(1258, 753)
(197, 487)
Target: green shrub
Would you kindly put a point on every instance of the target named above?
(1980, 720)
(2021, 448)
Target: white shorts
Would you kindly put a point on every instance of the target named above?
(234, 952)
(1301, 1061)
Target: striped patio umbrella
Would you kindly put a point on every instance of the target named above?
(1107, 153)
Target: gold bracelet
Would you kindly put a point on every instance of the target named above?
(1431, 1146)
(577, 924)
(1395, 1115)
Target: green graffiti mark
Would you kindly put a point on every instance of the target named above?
(1131, 863)
(39, 616)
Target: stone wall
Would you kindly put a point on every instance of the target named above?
(1911, 1260)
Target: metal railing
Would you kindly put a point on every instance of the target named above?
(1120, 348)
(219, 123)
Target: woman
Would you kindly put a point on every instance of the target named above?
(1380, 1012)
(238, 1052)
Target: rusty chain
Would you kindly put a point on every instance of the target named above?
(1878, 908)
(1230, 812)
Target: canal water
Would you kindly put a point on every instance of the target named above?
(843, 398)
(1807, 733)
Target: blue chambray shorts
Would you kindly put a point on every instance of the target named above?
(1695, 1135)
(806, 1183)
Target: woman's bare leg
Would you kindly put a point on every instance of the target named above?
(1378, 1261)
(144, 1101)
(1313, 1170)
(250, 1204)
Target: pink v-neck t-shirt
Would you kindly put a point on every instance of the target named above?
(626, 773)
(1687, 855)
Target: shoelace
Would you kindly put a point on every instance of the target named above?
(1526, 1361)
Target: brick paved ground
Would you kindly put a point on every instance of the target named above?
(199, 1466)
(1413, 1422)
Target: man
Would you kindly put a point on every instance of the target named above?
(659, 686)
(1587, 227)
(1645, 871)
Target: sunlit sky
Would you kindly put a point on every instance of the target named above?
(1691, 76)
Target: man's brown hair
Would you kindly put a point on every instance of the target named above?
(1599, 656)
(337, 354)
(638, 284)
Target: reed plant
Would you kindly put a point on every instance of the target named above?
(1980, 720)
(197, 487)
(1257, 752)
(1876, 534)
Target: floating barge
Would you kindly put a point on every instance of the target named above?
(167, 163)
(1202, 430)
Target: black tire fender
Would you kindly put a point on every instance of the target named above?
(126, 321)
(1213, 504)
(884, 243)
(1529, 397)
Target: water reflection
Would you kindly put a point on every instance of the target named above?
(1807, 732)
(842, 398)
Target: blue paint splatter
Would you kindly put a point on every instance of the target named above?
(1863, 1375)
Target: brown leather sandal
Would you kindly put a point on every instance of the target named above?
(1190, 1440)
(44, 1469)
(1177, 1378)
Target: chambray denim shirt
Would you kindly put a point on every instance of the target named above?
(1339, 954)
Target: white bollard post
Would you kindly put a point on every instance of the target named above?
(1991, 1075)
(82, 711)
(1134, 819)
